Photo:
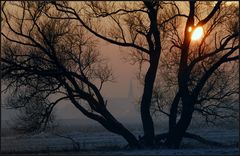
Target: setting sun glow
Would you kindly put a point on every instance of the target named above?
(197, 33)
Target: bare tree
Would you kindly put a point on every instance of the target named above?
(136, 25)
(202, 69)
(35, 111)
(56, 60)
(48, 50)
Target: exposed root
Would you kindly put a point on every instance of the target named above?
(160, 138)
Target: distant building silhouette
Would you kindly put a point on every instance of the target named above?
(130, 91)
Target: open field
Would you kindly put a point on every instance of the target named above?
(96, 140)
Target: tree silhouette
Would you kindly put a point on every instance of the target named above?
(202, 83)
(50, 54)
(139, 26)
(51, 57)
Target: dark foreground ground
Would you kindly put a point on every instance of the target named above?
(85, 140)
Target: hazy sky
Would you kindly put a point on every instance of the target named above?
(122, 70)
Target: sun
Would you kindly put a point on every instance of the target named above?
(197, 33)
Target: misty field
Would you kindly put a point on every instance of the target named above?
(94, 139)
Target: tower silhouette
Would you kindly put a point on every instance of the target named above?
(130, 91)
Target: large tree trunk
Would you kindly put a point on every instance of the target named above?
(106, 120)
(175, 138)
(147, 121)
(155, 50)
(176, 135)
(116, 127)
(173, 117)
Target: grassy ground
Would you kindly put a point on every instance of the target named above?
(94, 140)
